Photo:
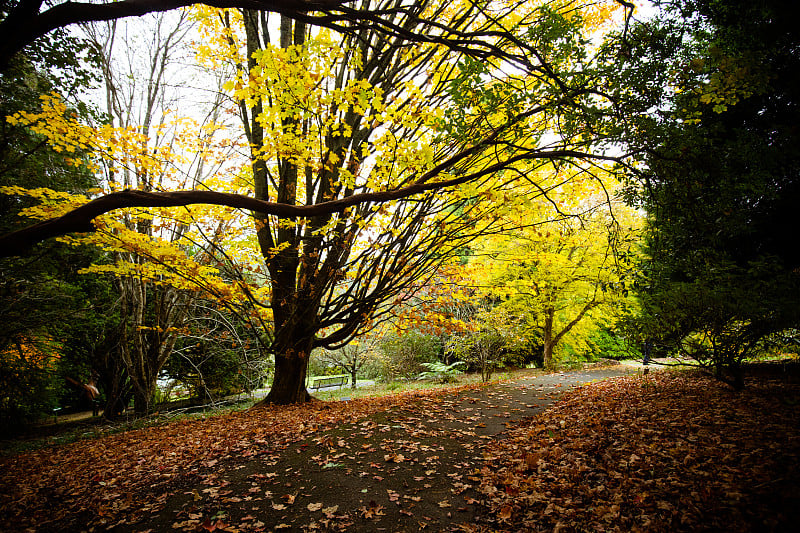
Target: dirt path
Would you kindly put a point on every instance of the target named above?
(406, 469)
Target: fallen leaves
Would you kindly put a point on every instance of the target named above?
(655, 454)
(374, 510)
(101, 482)
(669, 452)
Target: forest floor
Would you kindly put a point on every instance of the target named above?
(667, 451)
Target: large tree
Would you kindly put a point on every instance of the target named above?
(375, 155)
(720, 184)
(329, 117)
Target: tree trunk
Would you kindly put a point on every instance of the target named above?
(116, 386)
(547, 360)
(294, 306)
(291, 367)
(142, 398)
(549, 342)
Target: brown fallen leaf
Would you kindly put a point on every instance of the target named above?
(330, 511)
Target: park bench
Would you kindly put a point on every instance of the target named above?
(321, 382)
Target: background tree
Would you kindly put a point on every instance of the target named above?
(136, 97)
(406, 352)
(353, 357)
(145, 96)
(494, 334)
(562, 277)
(720, 182)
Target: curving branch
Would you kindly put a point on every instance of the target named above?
(26, 22)
(79, 220)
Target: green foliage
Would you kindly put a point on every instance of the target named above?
(319, 365)
(606, 343)
(404, 353)
(720, 185)
(482, 350)
(441, 372)
(43, 303)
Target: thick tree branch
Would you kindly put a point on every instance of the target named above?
(586, 308)
(24, 24)
(80, 219)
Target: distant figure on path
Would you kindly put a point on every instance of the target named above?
(648, 347)
(88, 391)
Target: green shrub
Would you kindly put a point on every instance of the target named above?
(606, 344)
(441, 372)
(404, 354)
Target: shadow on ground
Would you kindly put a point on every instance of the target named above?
(406, 469)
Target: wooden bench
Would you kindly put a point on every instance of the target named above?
(321, 382)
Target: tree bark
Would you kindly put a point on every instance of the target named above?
(291, 368)
(294, 307)
(549, 343)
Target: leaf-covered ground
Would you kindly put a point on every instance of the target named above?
(663, 452)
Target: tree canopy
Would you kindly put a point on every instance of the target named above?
(720, 183)
(373, 156)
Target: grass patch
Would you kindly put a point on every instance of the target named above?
(399, 386)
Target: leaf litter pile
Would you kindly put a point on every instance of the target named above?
(664, 452)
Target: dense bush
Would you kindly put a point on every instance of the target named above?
(404, 353)
(606, 344)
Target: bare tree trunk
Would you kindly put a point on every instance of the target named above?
(291, 367)
(549, 342)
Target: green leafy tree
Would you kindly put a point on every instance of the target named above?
(218, 353)
(41, 298)
(719, 178)
(485, 347)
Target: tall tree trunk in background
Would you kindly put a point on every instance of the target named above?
(547, 333)
(551, 340)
